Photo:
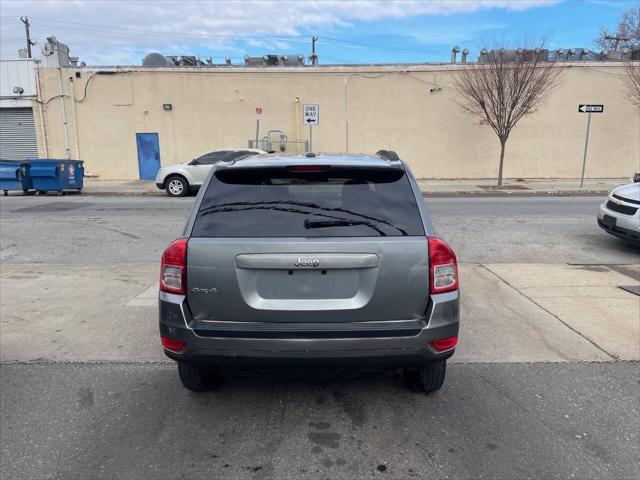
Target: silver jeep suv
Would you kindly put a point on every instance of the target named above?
(297, 261)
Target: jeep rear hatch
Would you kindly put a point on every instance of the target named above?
(318, 244)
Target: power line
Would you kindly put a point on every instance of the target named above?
(155, 33)
(384, 47)
(144, 33)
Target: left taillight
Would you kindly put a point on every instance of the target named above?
(173, 269)
(443, 267)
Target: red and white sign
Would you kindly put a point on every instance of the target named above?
(258, 112)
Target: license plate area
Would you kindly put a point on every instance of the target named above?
(609, 221)
(307, 284)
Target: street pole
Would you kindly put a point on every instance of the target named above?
(310, 138)
(257, 131)
(586, 146)
(25, 20)
(298, 124)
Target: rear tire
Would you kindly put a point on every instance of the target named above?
(432, 376)
(177, 186)
(427, 379)
(196, 379)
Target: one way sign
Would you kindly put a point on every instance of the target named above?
(311, 114)
(590, 108)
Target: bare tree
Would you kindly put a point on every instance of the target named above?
(632, 70)
(626, 34)
(505, 87)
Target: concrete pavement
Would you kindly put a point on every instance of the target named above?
(107, 313)
(520, 186)
(587, 299)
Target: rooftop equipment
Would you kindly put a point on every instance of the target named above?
(454, 52)
(274, 60)
(157, 60)
(54, 53)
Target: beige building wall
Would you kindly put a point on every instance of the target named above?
(410, 109)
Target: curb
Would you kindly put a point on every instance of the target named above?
(128, 194)
(426, 194)
(458, 193)
(518, 193)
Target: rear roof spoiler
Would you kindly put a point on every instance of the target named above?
(381, 157)
(388, 155)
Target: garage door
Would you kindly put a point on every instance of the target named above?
(17, 134)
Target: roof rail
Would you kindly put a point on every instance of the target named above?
(389, 155)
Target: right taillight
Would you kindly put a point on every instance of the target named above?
(173, 269)
(172, 344)
(443, 267)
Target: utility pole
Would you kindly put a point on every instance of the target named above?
(313, 57)
(25, 20)
(617, 39)
(586, 146)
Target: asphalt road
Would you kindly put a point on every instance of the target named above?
(107, 230)
(505, 421)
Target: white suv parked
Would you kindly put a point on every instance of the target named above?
(179, 179)
(619, 215)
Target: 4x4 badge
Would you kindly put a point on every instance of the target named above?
(204, 290)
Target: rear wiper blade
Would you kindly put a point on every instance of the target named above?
(341, 223)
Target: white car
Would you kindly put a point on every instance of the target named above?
(620, 214)
(179, 179)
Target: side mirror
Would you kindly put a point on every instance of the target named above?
(194, 162)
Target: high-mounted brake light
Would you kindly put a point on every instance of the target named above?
(173, 269)
(443, 267)
(309, 168)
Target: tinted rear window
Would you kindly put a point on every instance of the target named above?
(279, 202)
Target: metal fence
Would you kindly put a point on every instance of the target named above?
(282, 146)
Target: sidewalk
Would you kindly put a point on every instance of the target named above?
(511, 313)
(121, 187)
(430, 188)
(526, 187)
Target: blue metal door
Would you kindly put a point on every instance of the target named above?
(148, 155)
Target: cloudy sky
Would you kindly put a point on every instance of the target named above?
(375, 31)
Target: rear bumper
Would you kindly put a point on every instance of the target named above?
(160, 185)
(345, 349)
(239, 360)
